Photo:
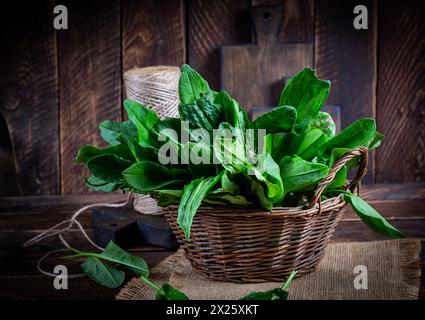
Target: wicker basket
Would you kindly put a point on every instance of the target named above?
(239, 244)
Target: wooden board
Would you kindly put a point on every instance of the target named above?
(29, 93)
(90, 82)
(153, 33)
(212, 24)
(297, 19)
(401, 97)
(347, 57)
(253, 73)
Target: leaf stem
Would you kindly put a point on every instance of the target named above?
(79, 254)
(151, 284)
(288, 281)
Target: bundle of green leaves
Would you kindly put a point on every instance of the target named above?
(298, 149)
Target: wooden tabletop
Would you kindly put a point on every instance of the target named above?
(23, 217)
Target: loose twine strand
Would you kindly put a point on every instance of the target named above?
(57, 230)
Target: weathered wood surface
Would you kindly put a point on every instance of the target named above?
(347, 57)
(153, 33)
(22, 218)
(401, 97)
(253, 73)
(29, 93)
(212, 24)
(90, 82)
(297, 19)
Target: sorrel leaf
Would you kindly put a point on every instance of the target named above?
(148, 176)
(115, 254)
(144, 119)
(268, 172)
(358, 134)
(280, 119)
(102, 274)
(202, 114)
(307, 94)
(193, 194)
(97, 184)
(192, 86)
(371, 217)
(306, 144)
(110, 130)
(88, 152)
(108, 167)
(229, 148)
(298, 174)
(234, 114)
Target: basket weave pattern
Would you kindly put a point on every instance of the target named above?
(238, 244)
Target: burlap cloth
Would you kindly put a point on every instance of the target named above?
(393, 273)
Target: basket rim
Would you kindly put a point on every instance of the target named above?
(238, 211)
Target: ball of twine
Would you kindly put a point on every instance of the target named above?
(156, 88)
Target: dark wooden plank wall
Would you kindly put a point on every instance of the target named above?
(56, 86)
(29, 94)
(89, 81)
(347, 57)
(401, 91)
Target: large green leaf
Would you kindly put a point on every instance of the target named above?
(144, 119)
(102, 274)
(108, 167)
(233, 112)
(306, 144)
(298, 174)
(280, 119)
(110, 130)
(202, 114)
(138, 152)
(193, 194)
(267, 171)
(88, 152)
(229, 148)
(170, 125)
(148, 176)
(359, 133)
(371, 217)
(97, 184)
(192, 86)
(115, 254)
(306, 93)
